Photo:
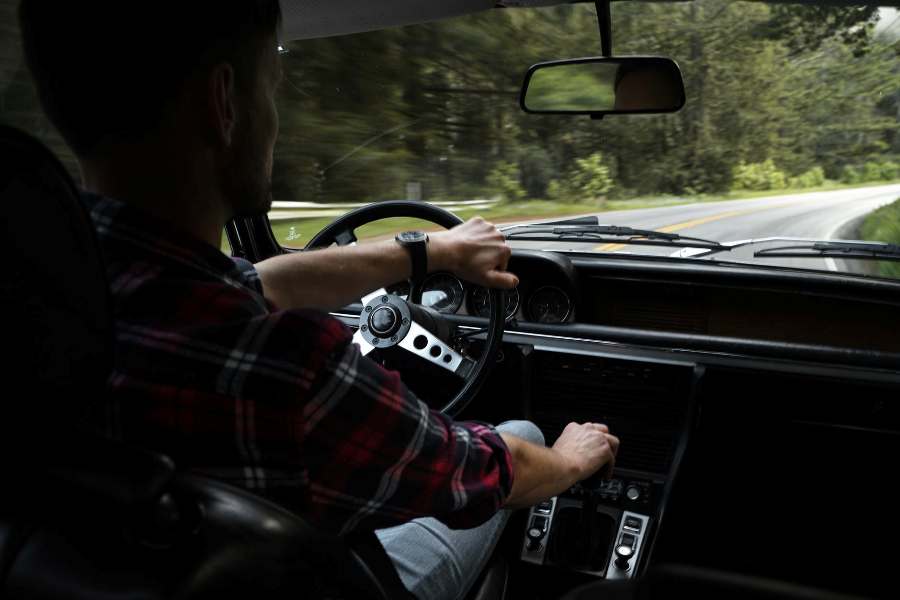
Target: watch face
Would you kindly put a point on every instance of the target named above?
(411, 236)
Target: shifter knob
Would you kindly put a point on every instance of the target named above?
(623, 555)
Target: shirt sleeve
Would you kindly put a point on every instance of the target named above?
(247, 274)
(378, 456)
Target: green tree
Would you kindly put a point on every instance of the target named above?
(591, 177)
(504, 181)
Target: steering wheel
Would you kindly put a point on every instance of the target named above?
(390, 321)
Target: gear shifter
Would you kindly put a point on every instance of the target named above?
(594, 481)
(581, 535)
(590, 525)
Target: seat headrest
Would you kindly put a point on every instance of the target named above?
(54, 296)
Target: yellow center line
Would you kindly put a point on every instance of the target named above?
(697, 222)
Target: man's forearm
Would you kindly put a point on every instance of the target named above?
(538, 473)
(334, 277)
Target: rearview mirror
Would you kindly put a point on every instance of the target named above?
(601, 86)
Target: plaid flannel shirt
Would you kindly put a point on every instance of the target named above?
(277, 401)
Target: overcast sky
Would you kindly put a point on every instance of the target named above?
(888, 19)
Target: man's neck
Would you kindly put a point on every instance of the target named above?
(177, 191)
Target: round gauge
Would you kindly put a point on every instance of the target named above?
(479, 301)
(549, 304)
(399, 289)
(442, 292)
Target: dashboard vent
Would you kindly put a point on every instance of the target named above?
(643, 403)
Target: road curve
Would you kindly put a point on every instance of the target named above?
(817, 215)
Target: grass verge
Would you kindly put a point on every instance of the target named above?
(883, 225)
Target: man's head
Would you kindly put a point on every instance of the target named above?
(195, 77)
(653, 86)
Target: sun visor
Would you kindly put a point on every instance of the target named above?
(304, 19)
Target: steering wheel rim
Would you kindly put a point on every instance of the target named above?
(341, 231)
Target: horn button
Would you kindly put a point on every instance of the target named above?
(384, 320)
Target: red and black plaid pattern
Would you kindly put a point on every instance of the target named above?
(278, 401)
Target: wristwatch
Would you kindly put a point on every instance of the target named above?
(415, 244)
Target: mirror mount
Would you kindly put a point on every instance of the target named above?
(604, 20)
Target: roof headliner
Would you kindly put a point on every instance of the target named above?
(322, 18)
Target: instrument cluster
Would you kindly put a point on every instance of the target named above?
(545, 293)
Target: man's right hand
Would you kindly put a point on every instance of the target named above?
(587, 448)
(539, 472)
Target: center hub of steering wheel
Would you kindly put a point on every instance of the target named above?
(384, 320)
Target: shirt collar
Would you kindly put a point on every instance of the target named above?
(157, 235)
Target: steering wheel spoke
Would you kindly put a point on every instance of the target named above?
(364, 346)
(372, 295)
(427, 346)
(347, 237)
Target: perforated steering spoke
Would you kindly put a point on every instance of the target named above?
(428, 346)
(372, 295)
(364, 346)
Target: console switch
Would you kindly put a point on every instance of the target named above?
(623, 555)
(540, 521)
(535, 536)
(633, 524)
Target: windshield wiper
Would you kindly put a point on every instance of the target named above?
(587, 230)
(834, 249)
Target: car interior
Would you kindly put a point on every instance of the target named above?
(757, 405)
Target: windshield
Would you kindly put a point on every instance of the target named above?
(790, 129)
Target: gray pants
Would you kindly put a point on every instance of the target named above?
(438, 563)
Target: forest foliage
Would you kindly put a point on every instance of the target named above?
(777, 96)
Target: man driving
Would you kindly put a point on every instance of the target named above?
(233, 369)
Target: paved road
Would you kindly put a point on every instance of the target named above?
(817, 215)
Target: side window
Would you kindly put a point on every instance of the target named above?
(19, 106)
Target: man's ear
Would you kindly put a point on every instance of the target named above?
(222, 102)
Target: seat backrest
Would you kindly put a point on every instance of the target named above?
(56, 310)
(82, 516)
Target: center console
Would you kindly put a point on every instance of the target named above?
(603, 527)
(597, 528)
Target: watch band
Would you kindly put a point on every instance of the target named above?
(415, 243)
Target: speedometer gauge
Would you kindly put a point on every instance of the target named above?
(479, 301)
(549, 304)
(442, 292)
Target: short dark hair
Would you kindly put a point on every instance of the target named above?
(106, 70)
